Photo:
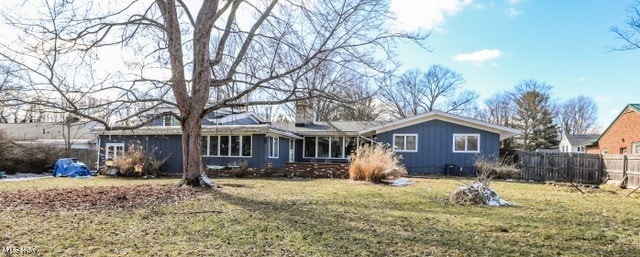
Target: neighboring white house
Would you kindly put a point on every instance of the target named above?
(575, 143)
(52, 134)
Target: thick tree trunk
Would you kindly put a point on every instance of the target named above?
(191, 158)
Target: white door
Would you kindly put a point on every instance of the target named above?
(292, 150)
(113, 150)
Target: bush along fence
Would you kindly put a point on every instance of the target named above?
(580, 167)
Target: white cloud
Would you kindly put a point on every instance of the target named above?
(582, 79)
(512, 12)
(513, 2)
(479, 56)
(420, 14)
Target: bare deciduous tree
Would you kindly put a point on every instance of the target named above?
(578, 116)
(195, 58)
(499, 109)
(417, 92)
(631, 34)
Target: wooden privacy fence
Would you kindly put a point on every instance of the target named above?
(563, 167)
(580, 167)
(624, 168)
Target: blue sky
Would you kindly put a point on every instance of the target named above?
(496, 44)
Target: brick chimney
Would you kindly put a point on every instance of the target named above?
(304, 114)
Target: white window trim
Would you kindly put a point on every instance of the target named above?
(206, 146)
(633, 147)
(404, 150)
(292, 150)
(466, 141)
(274, 143)
(115, 148)
(228, 153)
(173, 122)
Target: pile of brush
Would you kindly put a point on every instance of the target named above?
(479, 192)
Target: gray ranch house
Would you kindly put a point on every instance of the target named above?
(431, 143)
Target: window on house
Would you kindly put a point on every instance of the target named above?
(224, 146)
(635, 148)
(351, 144)
(466, 143)
(329, 147)
(214, 145)
(113, 150)
(310, 147)
(168, 121)
(323, 147)
(246, 145)
(405, 142)
(235, 146)
(337, 147)
(273, 146)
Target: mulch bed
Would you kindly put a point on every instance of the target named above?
(95, 198)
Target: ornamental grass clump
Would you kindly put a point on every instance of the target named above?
(375, 163)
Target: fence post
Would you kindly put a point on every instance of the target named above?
(625, 166)
(570, 172)
(543, 172)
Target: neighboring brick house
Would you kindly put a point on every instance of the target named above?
(622, 136)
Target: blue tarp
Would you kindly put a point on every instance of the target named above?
(70, 167)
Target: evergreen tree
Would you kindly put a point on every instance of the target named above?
(534, 116)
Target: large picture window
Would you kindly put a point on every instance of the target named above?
(329, 147)
(273, 146)
(405, 142)
(236, 146)
(466, 143)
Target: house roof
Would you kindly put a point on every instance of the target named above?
(206, 130)
(44, 131)
(581, 139)
(635, 107)
(576, 140)
(349, 128)
(504, 132)
(289, 129)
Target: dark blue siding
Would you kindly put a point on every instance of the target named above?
(283, 153)
(171, 147)
(161, 146)
(435, 147)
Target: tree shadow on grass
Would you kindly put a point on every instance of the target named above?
(339, 229)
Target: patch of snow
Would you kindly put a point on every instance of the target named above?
(24, 176)
(401, 182)
(205, 180)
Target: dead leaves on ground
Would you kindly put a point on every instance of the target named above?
(95, 198)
